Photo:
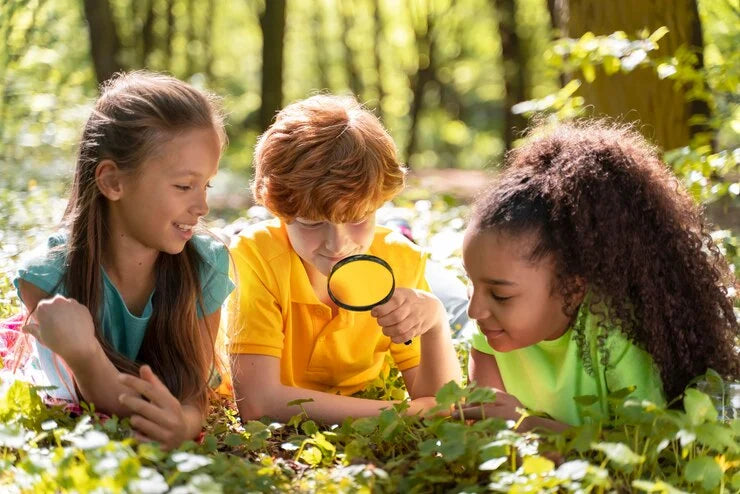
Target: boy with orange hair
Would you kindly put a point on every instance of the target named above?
(323, 168)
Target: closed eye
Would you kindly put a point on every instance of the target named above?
(183, 187)
(498, 298)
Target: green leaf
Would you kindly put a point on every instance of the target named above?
(450, 394)
(703, 469)
(309, 427)
(699, 407)
(299, 401)
(234, 440)
(311, 455)
(365, 426)
(481, 395)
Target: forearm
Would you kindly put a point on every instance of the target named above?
(439, 364)
(194, 419)
(97, 380)
(325, 408)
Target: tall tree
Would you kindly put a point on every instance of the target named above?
(380, 88)
(272, 23)
(425, 73)
(319, 43)
(514, 66)
(658, 105)
(353, 75)
(105, 45)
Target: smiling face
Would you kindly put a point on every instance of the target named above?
(512, 299)
(165, 198)
(321, 244)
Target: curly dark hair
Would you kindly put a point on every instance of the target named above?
(612, 214)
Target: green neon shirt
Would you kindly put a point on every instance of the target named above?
(548, 375)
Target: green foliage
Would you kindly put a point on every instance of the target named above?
(645, 448)
(708, 166)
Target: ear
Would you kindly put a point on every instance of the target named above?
(108, 180)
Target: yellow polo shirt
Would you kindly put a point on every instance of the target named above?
(275, 312)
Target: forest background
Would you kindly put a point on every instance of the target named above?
(455, 82)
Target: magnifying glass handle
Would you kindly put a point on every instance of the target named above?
(407, 342)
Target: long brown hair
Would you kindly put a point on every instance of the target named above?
(611, 213)
(136, 113)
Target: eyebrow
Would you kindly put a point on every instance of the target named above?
(496, 281)
(188, 173)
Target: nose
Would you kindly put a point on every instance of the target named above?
(477, 308)
(200, 206)
(336, 238)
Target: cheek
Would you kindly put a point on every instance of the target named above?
(363, 234)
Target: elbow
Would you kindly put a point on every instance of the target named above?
(252, 406)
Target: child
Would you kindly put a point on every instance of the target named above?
(125, 303)
(323, 168)
(592, 270)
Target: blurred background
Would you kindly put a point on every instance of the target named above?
(454, 81)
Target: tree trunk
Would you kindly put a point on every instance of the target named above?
(353, 77)
(514, 62)
(380, 89)
(425, 74)
(147, 35)
(169, 33)
(317, 32)
(208, 39)
(660, 108)
(104, 42)
(272, 23)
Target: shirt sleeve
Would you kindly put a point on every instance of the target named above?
(214, 272)
(255, 321)
(45, 268)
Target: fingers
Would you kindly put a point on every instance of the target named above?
(388, 307)
(146, 409)
(148, 429)
(396, 316)
(150, 387)
(32, 329)
(403, 332)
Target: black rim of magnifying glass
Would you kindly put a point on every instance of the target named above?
(361, 257)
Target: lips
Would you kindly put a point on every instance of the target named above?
(184, 227)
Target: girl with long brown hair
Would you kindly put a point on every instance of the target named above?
(592, 271)
(125, 303)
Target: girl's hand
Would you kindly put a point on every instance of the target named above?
(156, 414)
(65, 327)
(421, 405)
(504, 407)
(409, 313)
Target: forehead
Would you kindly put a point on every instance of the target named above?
(191, 153)
(497, 255)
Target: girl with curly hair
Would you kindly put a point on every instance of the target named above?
(593, 270)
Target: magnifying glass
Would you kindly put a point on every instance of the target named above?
(361, 282)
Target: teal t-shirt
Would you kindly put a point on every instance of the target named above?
(124, 330)
(548, 375)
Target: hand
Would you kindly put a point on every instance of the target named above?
(161, 418)
(503, 407)
(421, 405)
(65, 327)
(409, 313)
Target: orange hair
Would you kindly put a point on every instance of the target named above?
(326, 157)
